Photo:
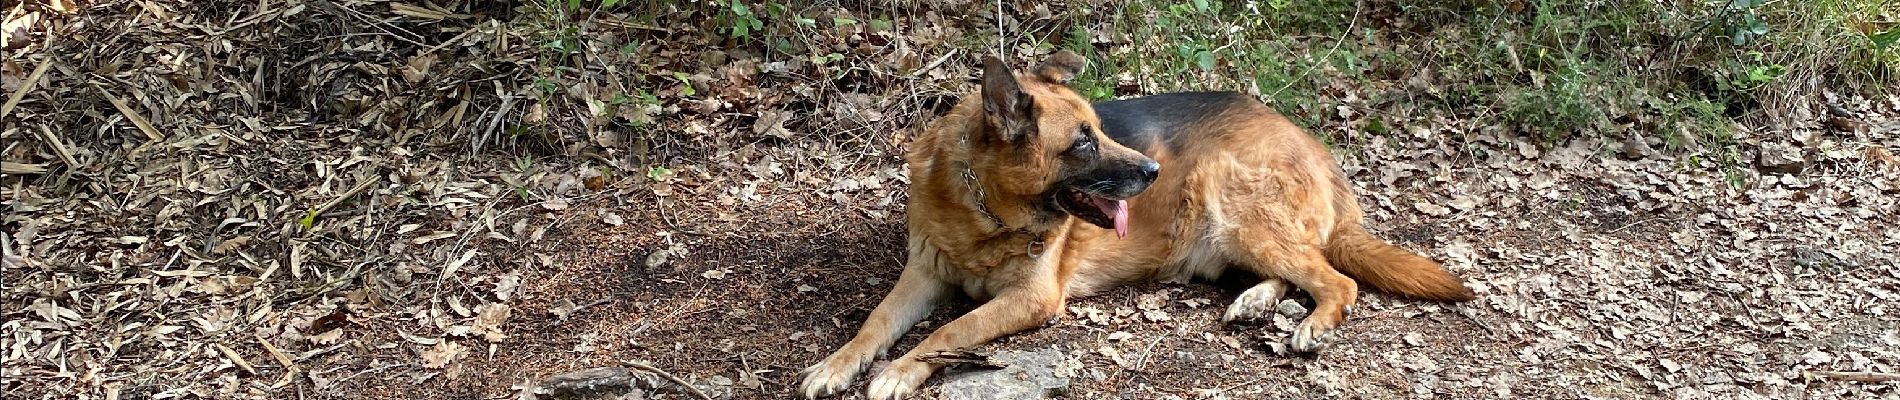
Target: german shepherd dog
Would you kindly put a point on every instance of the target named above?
(1025, 195)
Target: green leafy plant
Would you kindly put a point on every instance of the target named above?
(686, 84)
(1741, 23)
(659, 173)
(738, 20)
(309, 220)
(1751, 72)
(1884, 40)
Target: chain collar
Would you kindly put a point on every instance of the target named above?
(981, 201)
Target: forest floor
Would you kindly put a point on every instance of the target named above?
(362, 199)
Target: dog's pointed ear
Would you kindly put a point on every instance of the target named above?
(1062, 67)
(1005, 107)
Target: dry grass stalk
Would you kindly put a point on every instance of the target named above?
(235, 358)
(25, 87)
(59, 147)
(137, 120)
(290, 367)
(15, 168)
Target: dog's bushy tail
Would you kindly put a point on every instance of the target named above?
(1389, 268)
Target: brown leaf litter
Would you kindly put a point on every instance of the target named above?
(395, 199)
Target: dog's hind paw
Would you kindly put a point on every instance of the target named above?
(1257, 302)
(832, 375)
(898, 380)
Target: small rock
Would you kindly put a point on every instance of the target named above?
(1031, 375)
(1635, 148)
(1157, 316)
(1414, 339)
(1808, 257)
(1781, 158)
(1291, 309)
(656, 258)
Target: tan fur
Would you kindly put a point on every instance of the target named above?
(1248, 189)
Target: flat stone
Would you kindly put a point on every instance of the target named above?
(1291, 309)
(1781, 158)
(1031, 375)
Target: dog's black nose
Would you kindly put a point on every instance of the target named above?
(1150, 170)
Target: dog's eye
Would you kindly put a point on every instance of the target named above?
(1084, 141)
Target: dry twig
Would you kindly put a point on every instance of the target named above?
(933, 64)
(360, 187)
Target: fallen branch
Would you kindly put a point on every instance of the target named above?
(594, 380)
(663, 374)
(1855, 376)
(587, 381)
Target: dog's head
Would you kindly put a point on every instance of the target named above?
(1042, 140)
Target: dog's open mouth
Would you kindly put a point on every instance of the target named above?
(1101, 211)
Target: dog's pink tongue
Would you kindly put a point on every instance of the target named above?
(1121, 218)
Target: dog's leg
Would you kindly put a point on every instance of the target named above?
(1306, 267)
(915, 295)
(1257, 302)
(1020, 309)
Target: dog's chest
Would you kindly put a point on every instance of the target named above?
(982, 268)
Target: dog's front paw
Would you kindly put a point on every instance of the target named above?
(898, 380)
(1257, 302)
(1312, 335)
(834, 374)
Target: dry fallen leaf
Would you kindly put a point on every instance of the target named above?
(489, 319)
(438, 235)
(1432, 209)
(443, 353)
(506, 284)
